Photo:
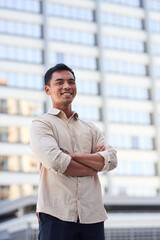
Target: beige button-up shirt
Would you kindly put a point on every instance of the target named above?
(66, 197)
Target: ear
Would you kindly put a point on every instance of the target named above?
(47, 89)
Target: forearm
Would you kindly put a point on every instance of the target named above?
(94, 160)
(76, 169)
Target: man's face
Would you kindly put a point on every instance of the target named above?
(62, 88)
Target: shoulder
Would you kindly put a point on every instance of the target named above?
(42, 120)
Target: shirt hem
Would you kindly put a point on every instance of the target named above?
(69, 220)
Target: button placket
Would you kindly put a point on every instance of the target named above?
(72, 136)
(78, 197)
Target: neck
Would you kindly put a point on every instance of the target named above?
(66, 109)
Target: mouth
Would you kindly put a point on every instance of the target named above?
(67, 93)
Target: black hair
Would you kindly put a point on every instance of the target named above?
(58, 67)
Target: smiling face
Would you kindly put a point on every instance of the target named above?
(61, 88)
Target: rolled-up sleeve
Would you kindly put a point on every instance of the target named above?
(46, 149)
(109, 155)
(110, 158)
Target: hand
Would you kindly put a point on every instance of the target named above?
(99, 149)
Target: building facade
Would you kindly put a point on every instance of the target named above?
(114, 48)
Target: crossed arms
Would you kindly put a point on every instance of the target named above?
(85, 164)
(45, 147)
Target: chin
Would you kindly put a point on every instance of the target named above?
(68, 101)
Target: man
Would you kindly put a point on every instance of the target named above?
(70, 152)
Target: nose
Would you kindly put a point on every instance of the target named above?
(66, 85)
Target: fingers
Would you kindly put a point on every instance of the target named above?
(99, 148)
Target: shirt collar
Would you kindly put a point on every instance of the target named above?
(58, 112)
(54, 111)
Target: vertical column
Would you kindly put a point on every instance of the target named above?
(102, 80)
(153, 82)
(45, 44)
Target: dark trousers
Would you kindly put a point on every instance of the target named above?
(52, 228)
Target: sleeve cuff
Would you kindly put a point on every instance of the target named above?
(64, 163)
(106, 156)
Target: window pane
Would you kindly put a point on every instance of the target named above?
(70, 12)
(22, 5)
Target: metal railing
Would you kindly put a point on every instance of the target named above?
(132, 234)
(110, 234)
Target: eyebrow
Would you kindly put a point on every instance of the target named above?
(61, 79)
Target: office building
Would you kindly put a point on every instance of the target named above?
(114, 48)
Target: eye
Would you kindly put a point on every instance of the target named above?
(59, 83)
(71, 82)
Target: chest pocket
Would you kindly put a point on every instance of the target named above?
(86, 142)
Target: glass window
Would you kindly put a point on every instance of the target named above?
(136, 191)
(158, 95)
(72, 36)
(154, 5)
(156, 49)
(3, 163)
(70, 12)
(4, 192)
(141, 191)
(22, 107)
(157, 71)
(129, 117)
(16, 163)
(22, 5)
(135, 168)
(74, 61)
(20, 80)
(123, 91)
(21, 54)
(87, 87)
(3, 134)
(14, 134)
(125, 68)
(30, 108)
(123, 44)
(131, 142)
(3, 106)
(133, 3)
(121, 21)
(28, 164)
(154, 26)
(88, 112)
